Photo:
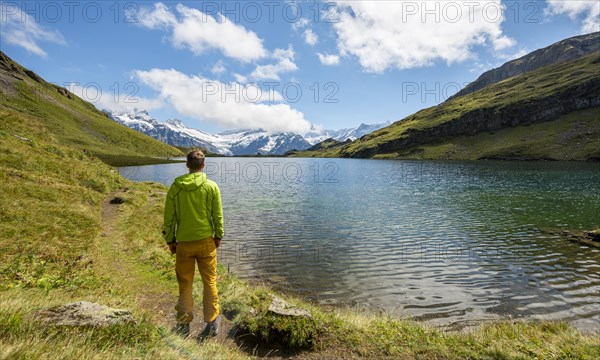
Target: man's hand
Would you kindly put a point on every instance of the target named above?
(217, 242)
(172, 247)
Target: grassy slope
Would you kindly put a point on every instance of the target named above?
(328, 145)
(53, 252)
(51, 225)
(70, 120)
(545, 140)
(573, 136)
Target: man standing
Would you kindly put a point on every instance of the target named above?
(193, 229)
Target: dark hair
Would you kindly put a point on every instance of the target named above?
(195, 159)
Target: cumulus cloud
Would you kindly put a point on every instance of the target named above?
(229, 105)
(408, 34)
(513, 55)
(240, 78)
(158, 18)
(20, 29)
(303, 22)
(503, 42)
(199, 32)
(310, 37)
(589, 10)
(108, 100)
(328, 59)
(218, 68)
(284, 63)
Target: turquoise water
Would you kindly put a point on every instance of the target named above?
(447, 242)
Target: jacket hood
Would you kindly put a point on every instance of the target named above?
(192, 181)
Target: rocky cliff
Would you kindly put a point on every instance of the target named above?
(565, 50)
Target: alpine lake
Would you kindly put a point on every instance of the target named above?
(447, 242)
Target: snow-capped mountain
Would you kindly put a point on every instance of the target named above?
(250, 142)
(172, 132)
(315, 136)
(236, 142)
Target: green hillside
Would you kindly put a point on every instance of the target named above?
(58, 247)
(30, 106)
(575, 136)
(59, 244)
(549, 113)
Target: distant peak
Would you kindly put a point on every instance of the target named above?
(176, 123)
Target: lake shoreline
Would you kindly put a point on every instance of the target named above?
(451, 327)
(337, 331)
(126, 160)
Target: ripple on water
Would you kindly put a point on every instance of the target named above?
(450, 242)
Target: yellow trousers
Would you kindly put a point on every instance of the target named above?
(190, 253)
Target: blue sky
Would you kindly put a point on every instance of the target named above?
(220, 65)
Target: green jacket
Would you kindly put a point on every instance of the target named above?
(193, 209)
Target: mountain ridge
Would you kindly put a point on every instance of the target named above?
(561, 51)
(233, 142)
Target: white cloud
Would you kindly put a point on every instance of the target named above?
(218, 68)
(274, 96)
(408, 34)
(108, 100)
(158, 18)
(575, 9)
(328, 59)
(303, 22)
(20, 29)
(270, 96)
(229, 105)
(503, 42)
(253, 91)
(500, 58)
(480, 68)
(240, 78)
(512, 55)
(310, 37)
(285, 63)
(200, 32)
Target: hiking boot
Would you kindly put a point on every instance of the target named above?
(216, 324)
(206, 332)
(211, 329)
(182, 330)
